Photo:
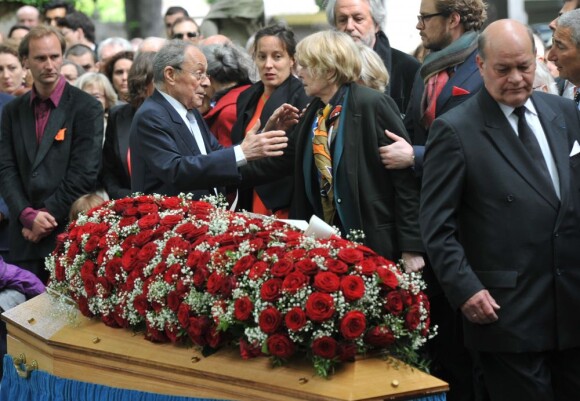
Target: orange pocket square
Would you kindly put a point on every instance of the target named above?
(457, 91)
(60, 135)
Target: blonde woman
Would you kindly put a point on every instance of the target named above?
(97, 84)
(373, 73)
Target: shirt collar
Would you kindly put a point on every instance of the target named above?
(56, 94)
(508, 110)
(180, 108)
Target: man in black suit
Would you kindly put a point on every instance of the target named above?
(50, 151)
(172, 149)
(500, 218)
(362, 21)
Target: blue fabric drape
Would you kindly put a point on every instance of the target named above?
(42, 386)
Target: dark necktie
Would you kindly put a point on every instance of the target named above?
(530, 142)
(577, 95)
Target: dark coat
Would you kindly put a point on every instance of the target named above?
(115, 176)
(275, 195)
(382, 203)
(165, 158)
(402, 69)
(53, 174)
(490, 221)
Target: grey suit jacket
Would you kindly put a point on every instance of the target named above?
(489, 221)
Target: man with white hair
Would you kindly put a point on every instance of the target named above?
(362, 20)
(28, 16)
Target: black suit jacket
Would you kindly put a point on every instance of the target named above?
(382, 203)
(489, 221)
(115, 176)
(275, 195)
(165, 158)
(402, 69)
(53, 174)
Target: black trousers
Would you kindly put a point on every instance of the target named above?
(539, 376)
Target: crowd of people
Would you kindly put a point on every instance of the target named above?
(463, 164)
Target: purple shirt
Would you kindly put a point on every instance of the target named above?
(42, 109)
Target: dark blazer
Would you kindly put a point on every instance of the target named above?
(4, 232)
(275, 195)
(53, 174)
(489, 221)
(466, 77)
(383, 203)
(115, 175)
(402, 69)
(165, 158)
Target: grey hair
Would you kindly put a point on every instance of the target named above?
(228, 63)
(114, 41)
(544, 78)
(100, 79)
(172, 54)
(571, 20)
(378, 12)
(373, 72)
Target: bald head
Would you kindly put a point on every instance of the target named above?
(28, 16)
(507, 61)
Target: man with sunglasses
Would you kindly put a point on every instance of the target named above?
(185, 28)
(171, 15)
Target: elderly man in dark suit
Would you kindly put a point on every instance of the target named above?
(172, 149)
(362, 21)
(50, 151)
(500, 218)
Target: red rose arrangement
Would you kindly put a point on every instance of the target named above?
(188, 271)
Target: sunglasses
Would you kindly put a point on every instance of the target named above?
(190, 35)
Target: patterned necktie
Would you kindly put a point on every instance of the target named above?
(323, 159)
(530, 142)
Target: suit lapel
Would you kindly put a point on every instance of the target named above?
(505, 140)
(28, 124)
(183, 131)
(462, 75)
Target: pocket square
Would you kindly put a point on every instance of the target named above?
(60, 135)
(575, 149)
(457, 91)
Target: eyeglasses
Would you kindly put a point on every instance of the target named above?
(423, 18)
(200, 76)
(190, 35)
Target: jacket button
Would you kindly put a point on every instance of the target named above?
(34, 174)
(338, 200)
(510, 198)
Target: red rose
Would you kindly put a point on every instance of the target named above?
(214, 337)
(353, 324)
(172, 202)
(367, 267)
(214, 283)
(199, 276)
(127, 221)
(257, 244)
(297, 254)
(407, 298)
(198, 325)
(346, 352)
(352, 287)
(88, 269)
(129, 259)
(172, 333)
(193, 258)
(172, 274)
(200, 209)
(270, 320)
(413, 318)
(92, 244)
(336, 266)
(258, 270)
(83, 304)
(326, 282)
(387, 277)
(155, 335)
(394, 303)
(380, 261)
(147, 208)
(90, 283)
(270, 290)
(131, 211)
(294, 281)
(148, 221)
(243, 308)
(325, 347)
(280, 345)
(244, 264)
(307, 267)
(147, 253)
(295, 319)
(183, 315)
(176, 246)
(248, 351)
(73, 250)
(141, 304)
(173, 301)
(190, 231)
(380, 337)
(282, 268)
(105, 285)
(350, 256)
(319, 307)
(110, 320)
(275, 251)
(59, 271)
(143, 238)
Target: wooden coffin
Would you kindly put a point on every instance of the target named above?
(92, 352)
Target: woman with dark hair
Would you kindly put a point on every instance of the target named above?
(116, 175)
(117, 70)
(229, 69)
(273, 51)
(12, 73)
